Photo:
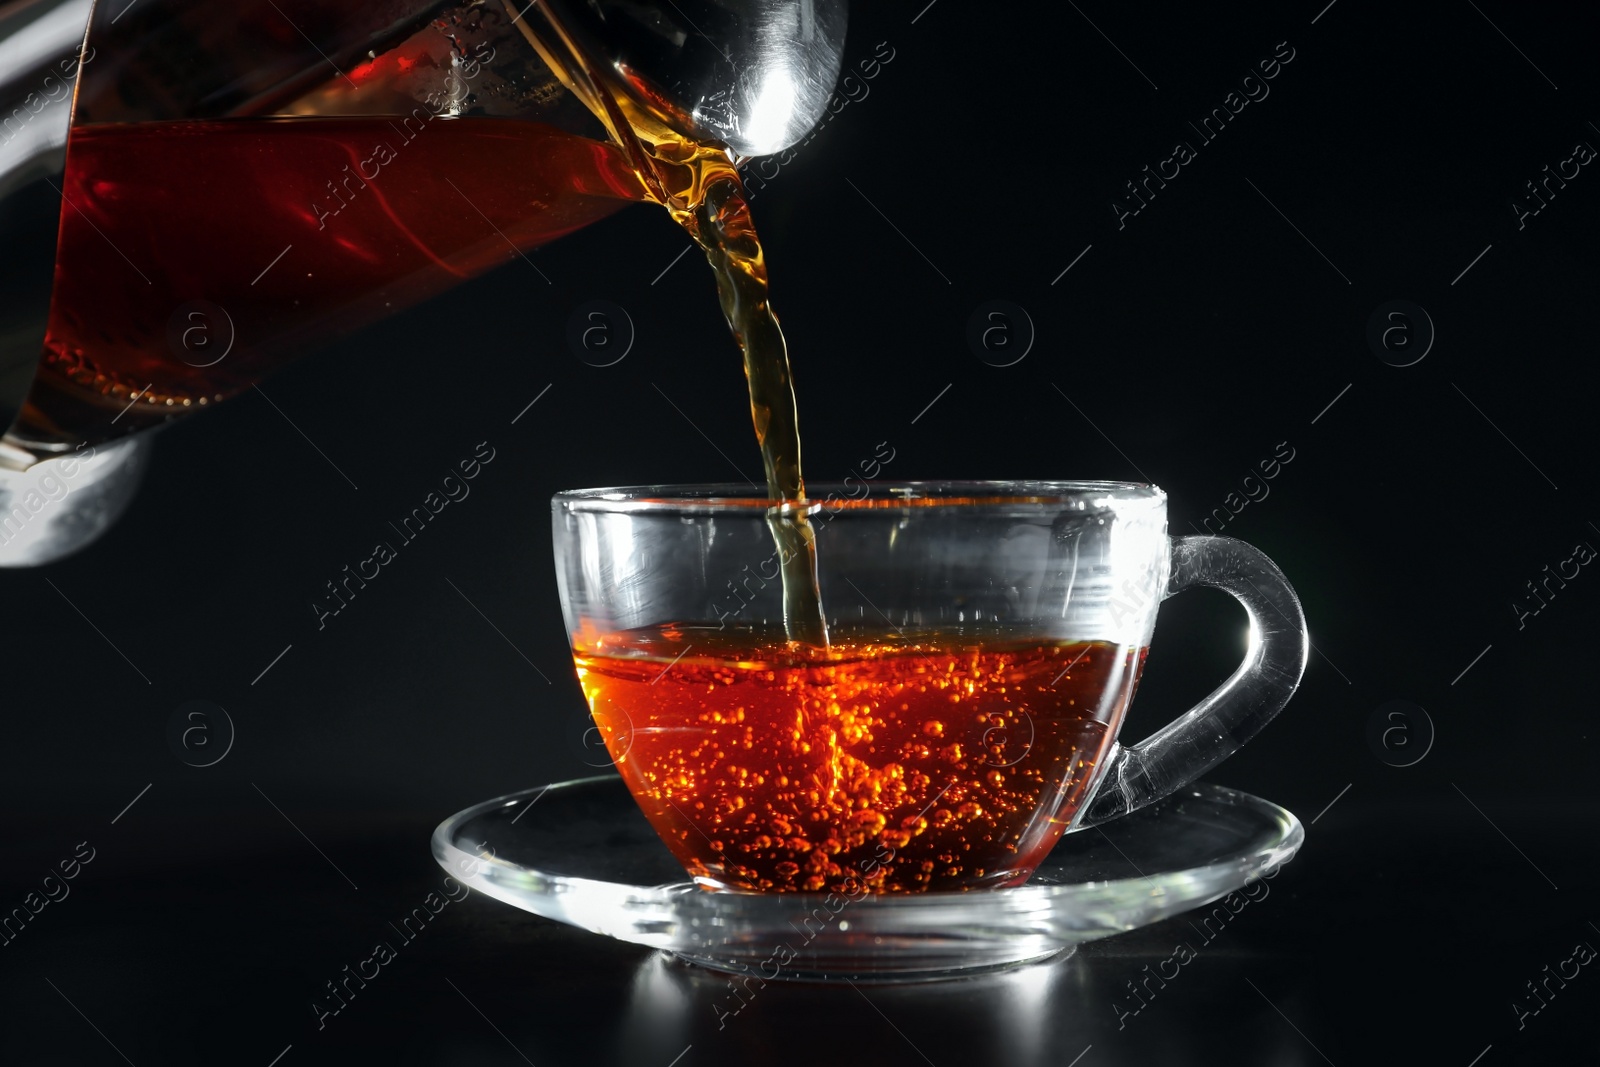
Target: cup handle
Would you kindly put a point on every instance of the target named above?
(1219, 725)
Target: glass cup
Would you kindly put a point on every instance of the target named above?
(985, 641)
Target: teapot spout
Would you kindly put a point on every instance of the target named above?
(755, 75)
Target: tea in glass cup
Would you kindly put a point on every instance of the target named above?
(985, 640)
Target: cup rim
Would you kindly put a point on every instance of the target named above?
(969, 496)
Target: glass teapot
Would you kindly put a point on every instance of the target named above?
(192, 195)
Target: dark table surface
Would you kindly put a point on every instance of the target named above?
(1403, 933)
(988, 159)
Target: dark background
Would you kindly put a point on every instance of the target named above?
(1221, 320)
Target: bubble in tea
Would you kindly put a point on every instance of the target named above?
(923, 763)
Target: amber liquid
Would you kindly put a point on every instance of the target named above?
(700, 187)
(197, 256)
(941, 761)
(160, 217)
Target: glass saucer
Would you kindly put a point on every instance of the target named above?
(581, 853)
